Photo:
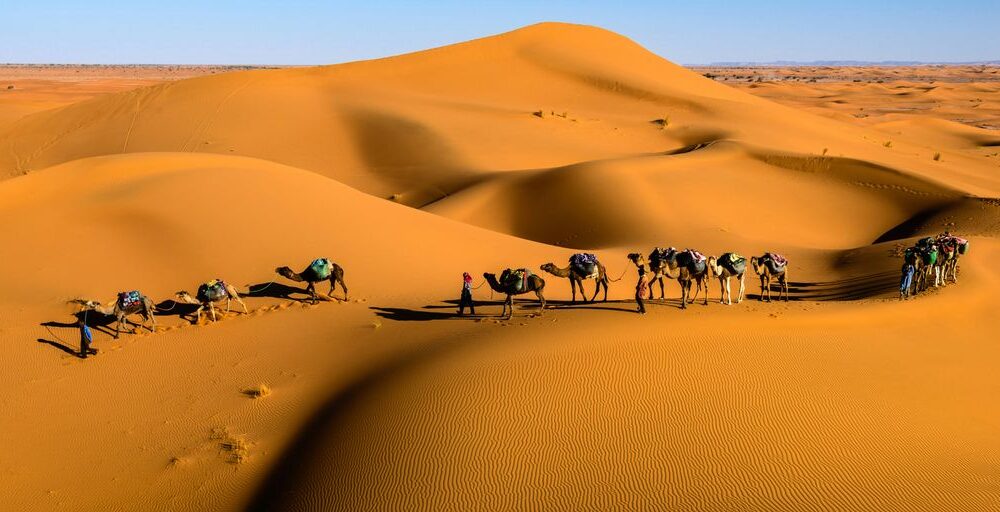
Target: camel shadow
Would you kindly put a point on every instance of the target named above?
(624, 305)
(171, 307)
(852, 288)
(276, 290)
(96, 321)
(424, 314)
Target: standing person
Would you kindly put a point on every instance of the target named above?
(86, 338)
(466, 295)
(642, 286)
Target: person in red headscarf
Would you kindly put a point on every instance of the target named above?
(466, 295)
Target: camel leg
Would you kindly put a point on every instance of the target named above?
(605, 288)
(572, 287)
(342, 285)
(238, 299)
(311, 289)
(705, 280)
(211, 309)
(722, 290)
(229, 302)
(197, 314)
(742, 287)
(684, 289)
(510, 306)
(597, 289)
(541, 299)
(784, 285)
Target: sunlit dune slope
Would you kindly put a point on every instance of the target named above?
(421, 126)
(165, 221)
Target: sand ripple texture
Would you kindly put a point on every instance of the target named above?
(614, 419)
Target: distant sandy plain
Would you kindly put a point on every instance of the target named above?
(508, 151)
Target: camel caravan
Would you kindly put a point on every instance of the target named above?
(209, 294)
(931, 263)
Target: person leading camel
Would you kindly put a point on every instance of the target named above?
(128, 303)
(86, 338)
(771, 267)
(581, 267)
(725, 267)
(516, 282)
(642, 285)
(466, 299)
(208, 294)
(321, 269)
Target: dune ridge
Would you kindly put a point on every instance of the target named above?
(507, 151)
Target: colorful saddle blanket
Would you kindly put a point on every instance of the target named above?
(695, 255)
(130, 299)
(212, 291)
(321, 268)
(776, 263)
(778, 259)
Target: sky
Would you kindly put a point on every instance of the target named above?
(315, 32)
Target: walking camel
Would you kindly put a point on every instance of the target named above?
(511, 287)
(127, 304)
(208, 294)
(771, 267)
(727, 266)
(580, 270)
(321, 269)
(660, 270)
(691, 268)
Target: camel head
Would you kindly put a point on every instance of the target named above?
(549, 267)
(285, 272)
(635, 258)
(713, 266)
(183, 296)
(757, 264)
(85, 304)
(94, 305)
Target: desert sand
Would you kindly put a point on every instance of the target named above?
(507, 151)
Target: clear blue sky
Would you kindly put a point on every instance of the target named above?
(315, 32)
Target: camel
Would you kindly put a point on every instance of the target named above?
(319, 270)
(688, 271)
(660, 270)
(765, 267)
(534, 284)
(210, 293)
(576, 278)
(128, 303)
(727, 270)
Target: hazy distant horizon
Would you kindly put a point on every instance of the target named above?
(310, 32)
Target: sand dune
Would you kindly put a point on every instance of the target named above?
(507, 151)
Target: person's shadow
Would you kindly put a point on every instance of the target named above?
(94, 320)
